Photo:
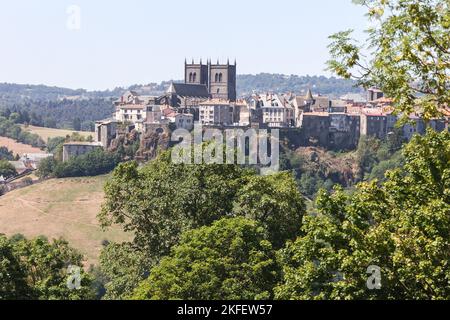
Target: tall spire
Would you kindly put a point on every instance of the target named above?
(309, 96)
(171, 89)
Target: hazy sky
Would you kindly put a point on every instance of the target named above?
(120, 43)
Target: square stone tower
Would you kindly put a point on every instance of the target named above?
(220, 79)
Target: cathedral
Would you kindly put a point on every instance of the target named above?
(201, 83)
(219, 79)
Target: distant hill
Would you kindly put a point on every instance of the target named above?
(57, 107)
(279, 83)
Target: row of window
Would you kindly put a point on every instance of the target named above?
(193, 77)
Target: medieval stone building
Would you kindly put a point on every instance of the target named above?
(219, 79)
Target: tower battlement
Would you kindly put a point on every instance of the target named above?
(220, 79)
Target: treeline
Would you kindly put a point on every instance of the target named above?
(38, 269)
(6, 154)
(267, 82)
(10, 129)
(17, 92)
(66, 114)
(94, 163)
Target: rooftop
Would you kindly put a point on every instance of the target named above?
(189, 90)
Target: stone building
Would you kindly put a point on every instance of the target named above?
(374, 123)
(242, 114)
(374, 94)
(219, 79)
(185, 95)
(274, 111)
(417, 125)
(216, 112)
(105, 132)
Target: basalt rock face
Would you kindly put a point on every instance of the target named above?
(151, 144)
(124, 139)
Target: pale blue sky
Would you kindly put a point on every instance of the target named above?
(135, 41)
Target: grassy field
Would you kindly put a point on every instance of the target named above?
(17, 147)
(46, 133)
(60, 208)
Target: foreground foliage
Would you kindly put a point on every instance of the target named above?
(231, 259)
(407, 53)
(38, 269)
(402, 226)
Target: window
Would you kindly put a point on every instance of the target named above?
(216, 78)
(218, 90)
(220, 77)
(190, 77)
(194, 77)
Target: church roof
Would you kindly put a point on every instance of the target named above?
(189, 90)
(309, 95)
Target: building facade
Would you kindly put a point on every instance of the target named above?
(219, 79)
(216, 112)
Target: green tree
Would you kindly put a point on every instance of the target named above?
(47, 265)
(406, 54)
(46, 167)
(162, 200)
(401, 226)
(76, 124)
(5, 154)
(13, 283)
(7, 170)
(232, 259)
(124, 267)
(38, 269)
(367, 154)
(275, 202)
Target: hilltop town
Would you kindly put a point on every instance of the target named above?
(208, 97)
(226, 186)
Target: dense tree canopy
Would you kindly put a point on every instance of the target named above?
(7, 170)
(124, 266)
(162, 200)
(275, 202)
(231, 259)
(5, 154)
(39, 269)
(402, 227)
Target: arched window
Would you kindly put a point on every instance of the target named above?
(190, 77)
(218, 90)
(194, 77)
(220, 77)
(217, 77)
